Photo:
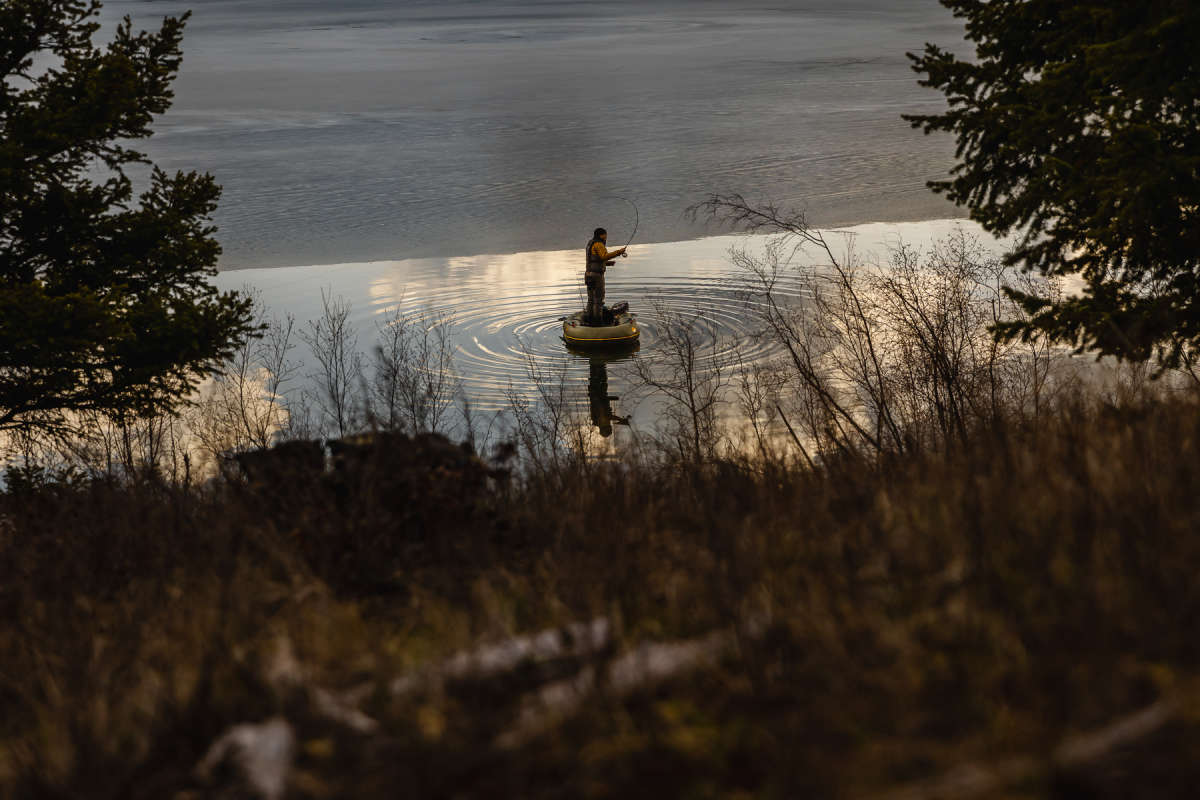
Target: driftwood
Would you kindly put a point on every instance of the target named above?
(579, 640)
(261, 755)
(1074, 754)
(643, 667)
(287, 676)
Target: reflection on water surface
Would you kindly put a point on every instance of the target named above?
(506, 310)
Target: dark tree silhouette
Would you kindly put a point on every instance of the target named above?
(105, 303)
(1078, 125)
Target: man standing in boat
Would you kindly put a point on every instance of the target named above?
(599, 257)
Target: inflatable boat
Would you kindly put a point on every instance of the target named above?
(620, 328)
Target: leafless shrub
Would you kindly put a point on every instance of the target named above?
(897, 355)
(688, 369)
(243, 406)
(833, 360)
(392, 370)
(431, 384)
(545, 427)
(940, 310)
(338, 369)
(477, 429)
(156, 447)
(758, 386)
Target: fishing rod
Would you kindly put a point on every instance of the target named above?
(637, 217)
(637, 220)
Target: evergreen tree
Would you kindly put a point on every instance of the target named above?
(105, 302)
(1078, 126)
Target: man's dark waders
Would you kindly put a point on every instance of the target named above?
(593, 279)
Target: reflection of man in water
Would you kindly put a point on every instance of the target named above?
(599, 399)
(599, 257)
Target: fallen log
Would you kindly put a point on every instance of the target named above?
(1073, 754)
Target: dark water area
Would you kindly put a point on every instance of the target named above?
(371, 130)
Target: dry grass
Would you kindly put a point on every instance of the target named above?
(891, 618)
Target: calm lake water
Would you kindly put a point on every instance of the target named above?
(361, 130)
(506, 309)
(389, 143)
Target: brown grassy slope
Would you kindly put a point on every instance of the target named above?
(891, 621)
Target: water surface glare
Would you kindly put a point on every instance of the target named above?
(506, 309)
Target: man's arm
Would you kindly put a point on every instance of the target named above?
(607, 254)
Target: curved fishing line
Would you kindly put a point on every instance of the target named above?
(637, 217)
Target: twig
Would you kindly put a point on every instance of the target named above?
(796, 438)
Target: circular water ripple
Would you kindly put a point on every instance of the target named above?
(508, 339)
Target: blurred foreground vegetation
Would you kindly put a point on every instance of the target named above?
(869, 623)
